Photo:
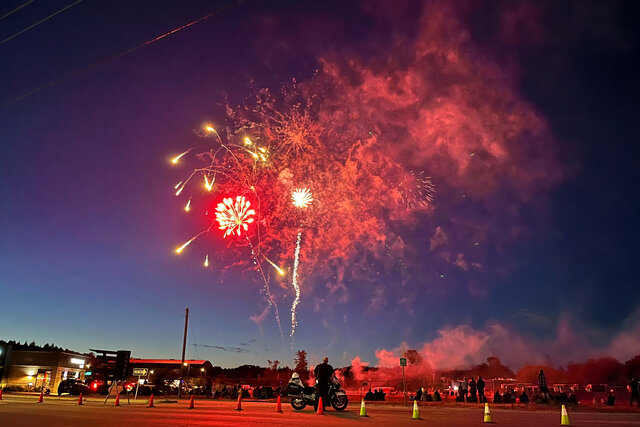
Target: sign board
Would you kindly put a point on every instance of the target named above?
(122, 364)
(140, 372)
(403, 361)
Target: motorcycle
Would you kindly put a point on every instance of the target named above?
(302, 395)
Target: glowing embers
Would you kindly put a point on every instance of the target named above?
(235, 216)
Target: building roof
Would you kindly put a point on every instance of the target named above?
(166, 361)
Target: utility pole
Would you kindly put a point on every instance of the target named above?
(403, 363)
(404, 386)
(184, 346)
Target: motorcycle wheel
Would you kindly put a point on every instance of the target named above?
(339, 402)
(298, 403)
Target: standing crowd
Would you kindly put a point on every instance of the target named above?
(471, 391)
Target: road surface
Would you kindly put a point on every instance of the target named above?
(21, 410)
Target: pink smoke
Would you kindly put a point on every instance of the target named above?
(463, 346)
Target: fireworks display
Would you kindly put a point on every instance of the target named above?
(373, 145)
(266, 147)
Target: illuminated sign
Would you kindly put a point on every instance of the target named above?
(79, 362)
(140, 372)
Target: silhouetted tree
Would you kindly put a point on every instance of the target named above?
(273, 365)
(413, 357)
(632, 367)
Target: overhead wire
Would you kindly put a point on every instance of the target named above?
(40, 22)
(16, 9)
(124, 52)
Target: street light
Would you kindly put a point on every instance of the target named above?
(188, 371)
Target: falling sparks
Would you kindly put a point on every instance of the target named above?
(177, 185)
(233, 217)
(206, 261)
(187, 208)
(208, 184)
(178, 157)
(274, 265)
(181, 248)
(301, 197)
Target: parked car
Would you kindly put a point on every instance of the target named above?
(72, 386)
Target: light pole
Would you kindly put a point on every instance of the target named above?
(188, 373)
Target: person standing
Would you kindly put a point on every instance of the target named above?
(472, 391)
(322, 373)
(480, 386)
(542, 384)
(634, 389)
(465, 389)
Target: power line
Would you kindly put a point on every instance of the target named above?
(118, 55)
(40, 22)
(16, 9)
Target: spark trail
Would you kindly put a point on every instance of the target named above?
(296, 287)
(301, 199)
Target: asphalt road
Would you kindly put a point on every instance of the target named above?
(20, 411)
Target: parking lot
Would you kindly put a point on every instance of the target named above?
(22, 410)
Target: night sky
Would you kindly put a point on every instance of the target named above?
(529, 251)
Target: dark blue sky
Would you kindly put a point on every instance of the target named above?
(88, 220)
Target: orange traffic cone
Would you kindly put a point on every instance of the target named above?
(80, 399)
(41, 398)
(239, 407)
(320, 407)
(117, 400)
(191, 403)
(151, 405)
(278, 404)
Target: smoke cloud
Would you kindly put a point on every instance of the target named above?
(463, 346)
